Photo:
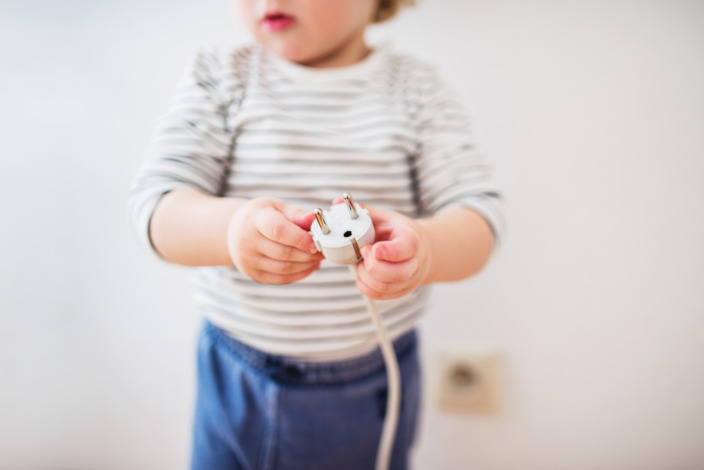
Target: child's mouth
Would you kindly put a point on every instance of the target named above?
(277, 21)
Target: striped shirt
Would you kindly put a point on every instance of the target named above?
(250, 124)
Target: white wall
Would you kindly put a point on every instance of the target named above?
(593, 111)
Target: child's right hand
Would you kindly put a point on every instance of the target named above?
(269, 242)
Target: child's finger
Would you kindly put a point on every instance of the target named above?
(376, 289)
(274, 278)
(385, 272)
(303, 220)
(278, 228)
(402, 246)
(273, 266)
(278, 251)
(294, 214)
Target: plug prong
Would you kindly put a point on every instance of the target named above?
(350, 205)
(355, 246)
(321, 221)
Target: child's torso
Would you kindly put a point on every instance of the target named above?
(307, 141)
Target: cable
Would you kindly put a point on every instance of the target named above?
(339, 234)
(393, 398)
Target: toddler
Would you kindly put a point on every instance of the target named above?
(289, 371)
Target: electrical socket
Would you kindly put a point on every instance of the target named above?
(466, 380)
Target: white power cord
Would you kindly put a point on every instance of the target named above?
(340, 234)
(383, 456)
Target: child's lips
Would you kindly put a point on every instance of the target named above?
(277, 21)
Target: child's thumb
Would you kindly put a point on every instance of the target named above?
(303, 219)
(294, 214)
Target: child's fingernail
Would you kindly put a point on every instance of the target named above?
(312, 249)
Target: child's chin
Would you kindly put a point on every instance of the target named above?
(292, 53)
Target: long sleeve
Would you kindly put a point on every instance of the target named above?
(450, 171)
(191, 145)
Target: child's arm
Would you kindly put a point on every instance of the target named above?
(450, 246)
(265, 239)
(175, 203)
(456, 193)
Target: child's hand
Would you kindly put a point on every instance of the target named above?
(269, 242)
(399, 259)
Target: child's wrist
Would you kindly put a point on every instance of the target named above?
(427, 248)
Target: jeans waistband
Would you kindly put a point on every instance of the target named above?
(289, 370)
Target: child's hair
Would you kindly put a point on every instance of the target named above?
(387, 9)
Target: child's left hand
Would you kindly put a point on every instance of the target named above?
(399, 259)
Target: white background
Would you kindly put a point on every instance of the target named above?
(594, 112)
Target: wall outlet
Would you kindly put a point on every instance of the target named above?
(466, 380)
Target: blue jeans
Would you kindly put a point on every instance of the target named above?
(257, 411)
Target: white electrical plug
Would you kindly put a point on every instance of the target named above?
(341, 232)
